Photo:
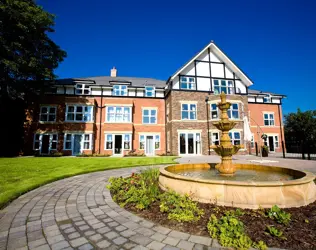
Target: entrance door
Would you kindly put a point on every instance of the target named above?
(77, 145)
(149, 145)
(118, 144)
(45, 144)
(271, 144)
(189, 143)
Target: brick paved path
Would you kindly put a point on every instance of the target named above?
(79, 213)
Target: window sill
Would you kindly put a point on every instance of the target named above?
(78, 122)
(149, 124)
(188, 120)
(119, 122)
(41, 122)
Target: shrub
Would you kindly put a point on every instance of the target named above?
(279, 215)
(135, 153)
(140, 190)
(179, 207)
(93, 155)
(273, 231)
(230, 231)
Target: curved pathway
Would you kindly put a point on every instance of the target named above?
(79, 213)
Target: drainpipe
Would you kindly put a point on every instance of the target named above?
(101, 110)
(282, 143)
(208, 125)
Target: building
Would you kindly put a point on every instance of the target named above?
(115, 115)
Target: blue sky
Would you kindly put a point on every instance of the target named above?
(273, 41)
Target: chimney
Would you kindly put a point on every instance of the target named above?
(113, 72)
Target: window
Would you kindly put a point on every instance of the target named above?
(223, 86)
(276, 141)
(187, 82)
(214, 138)
(54, 139)
(118, 114)
(149, 116)
(214, 111)
(142, 142)
(79, 113)
(268, 119)
(188, 111)
(37, 141)
(235, 138)
(157, 141)
(120, 90)
(87, 141)
(47, 114)
(68, 140)
(233, 112)
(267, 99)
(109, 142)
(127, 141)
(150, 91)
(83, 89)
(252, 142)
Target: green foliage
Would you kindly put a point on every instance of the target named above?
(273, 231)
(279, 215)
(179, 207)
(135, 153)
(230, 231)
(140, 190)
(93, 155)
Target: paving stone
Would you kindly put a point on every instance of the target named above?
(70, 230)
(120, 240)
(170, 248)
(113, 224)
(207, 241)
(36, 243)
(120, 228)
(129, 245)
(74, 235)
(89, 233)
(145, 231)
(107, 220)
(43, 247)
(103, 230)
(60, 245)
(111, 235)
(185, 245)
(140, 239)
(98, 225)
(131, 225)
(86, 247)
(215, 243)
(162, 230)
(140, 248)
(96, 237)
(179, 235)
(55, 239)
(83, 228)
(171, 241)
(65, 226)
(127, 233)
(146, 223)
(18, 229)
(155, 245)
(78, 242)
(103, 244)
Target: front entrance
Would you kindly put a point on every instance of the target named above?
(190, 143)
(45, 144)
(271, 143)
(150, 145)
(118, 144)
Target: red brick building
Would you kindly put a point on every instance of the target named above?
(114, 115)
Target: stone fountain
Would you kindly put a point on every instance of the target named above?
(226, 150)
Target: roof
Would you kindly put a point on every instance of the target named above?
(222, 56)
(259, 92)
(109, 81)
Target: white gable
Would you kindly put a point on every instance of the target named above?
(212, 63)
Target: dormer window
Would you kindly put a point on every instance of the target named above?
(83, 89)
(149, 91)
(267, 99)
(120, 90)
(187, 82)
(223, 86)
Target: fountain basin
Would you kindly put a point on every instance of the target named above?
(293, 189)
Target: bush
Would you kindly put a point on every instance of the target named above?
(230, 231)
(265, 151)
(135, 153)
(180, 208)
(140, 190)
(93, 155)
(51, 154)
(273, 231)
(279, 215)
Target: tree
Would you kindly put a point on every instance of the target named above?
(300, 128)
(28, 55)
(28, 58)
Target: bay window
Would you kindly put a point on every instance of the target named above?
(226, 86)
(188, 112)
(118, 114)
(79, 113)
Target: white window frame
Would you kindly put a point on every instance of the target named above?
(233, 139)
(116, 115)
(149, 115)
(196, 135)
(86, 141)
(270, 121)
(213, 141)
(157, 141)
(48, 107)
(231, 110)
(83, 89)
(51, 141)
(276, 141)
(113, 141)
(212, 110)
(108, 141)
(72, 137)
(267, 99)
(123, 90)
(129, 141)
(83, 113)
(142, 141)
(252, 141)
(189, 81)
(152, 91)
(189, 111)
(228, 89)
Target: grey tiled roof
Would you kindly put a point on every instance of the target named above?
(108, 81)
(259, 92)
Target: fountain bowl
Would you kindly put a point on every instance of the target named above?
(294, 188)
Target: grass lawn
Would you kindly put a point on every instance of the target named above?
(19, 175)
